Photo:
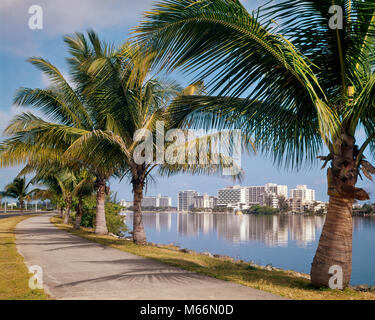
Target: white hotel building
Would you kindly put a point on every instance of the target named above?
(232, 196)
(158, 202)
(303, 193)
(186, 200)
(238, 196)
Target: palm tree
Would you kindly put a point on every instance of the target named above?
(282, 203)
(292, 79)
(70, 115)
(71, 185)
(19, 189)
(93, 118)
(132, 100)
(67, 182)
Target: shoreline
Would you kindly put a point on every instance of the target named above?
(287, 283)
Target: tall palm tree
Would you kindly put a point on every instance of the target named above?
(69, 114)
(19, 189)
(94, 117)
(294, 78)
(132, 100)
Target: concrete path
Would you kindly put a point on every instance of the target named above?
(20, 213)
(75, 268)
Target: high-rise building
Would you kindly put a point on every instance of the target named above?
(254, 193)
(202, 201)
(267, 194)
(165, 202)
(269, 199)
(213, 202)
(149, 202)
(185, 200)
(232, 196)
(158, 202)
(205, 201)
(303, 193)
(125, 203)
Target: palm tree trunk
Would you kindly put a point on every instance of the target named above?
(139, 235)
(67, 210)
(21, 204)
(101, 224)
(335, 244)
(79, 213)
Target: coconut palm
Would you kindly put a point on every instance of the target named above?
(68, 115)
(19, 189)
(93, 118)
(134, 103)
(68, 183)
(294, 78)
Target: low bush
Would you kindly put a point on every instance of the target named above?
(115, 221)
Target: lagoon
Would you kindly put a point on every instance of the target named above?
(284, 241)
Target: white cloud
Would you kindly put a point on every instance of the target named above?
(6, 116)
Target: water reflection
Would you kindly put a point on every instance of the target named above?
(272, 230)
(287, 242)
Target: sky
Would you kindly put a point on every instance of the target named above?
(112, 20)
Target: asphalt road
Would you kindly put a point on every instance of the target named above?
(75, 268)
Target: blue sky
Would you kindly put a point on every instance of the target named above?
(112, 19)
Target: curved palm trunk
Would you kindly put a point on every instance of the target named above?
(67, 210)
(22, 204)
(61, 212)
(139, 235)
(79, 213)
(335, 243)
(101, 224)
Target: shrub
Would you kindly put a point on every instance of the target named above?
(261, 210)
(115, 222)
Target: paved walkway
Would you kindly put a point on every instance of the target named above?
(10, 214)
(75, 268)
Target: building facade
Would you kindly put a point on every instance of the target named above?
(205, 201)
(158, 201)
(232, 196)
(303, 193)
(126, 204)
(186, 200)
(265, 195)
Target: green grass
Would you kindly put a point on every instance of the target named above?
(284, 283)
(14, 275)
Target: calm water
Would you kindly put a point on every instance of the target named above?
(287, 242)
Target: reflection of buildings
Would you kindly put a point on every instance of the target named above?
(273, 230)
